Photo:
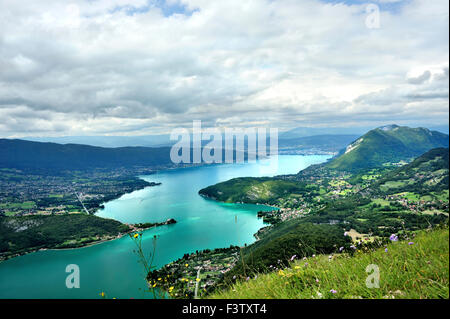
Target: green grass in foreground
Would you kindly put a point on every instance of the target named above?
(420, 270)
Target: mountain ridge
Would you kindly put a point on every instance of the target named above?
(21, 154)
(387, 144)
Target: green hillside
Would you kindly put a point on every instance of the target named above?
(429, 173)
(290, 238)
(368, 207)
(20, 235)
(252, 190)
(426, 178)
(388, 144)
(415, 268)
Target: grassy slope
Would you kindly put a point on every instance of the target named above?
(413, 271)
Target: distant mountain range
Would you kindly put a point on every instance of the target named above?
(312, 131)
(316, 143)
(28, 155)
(161, 140)
(51, 156)
(388, 144)
(109, 141)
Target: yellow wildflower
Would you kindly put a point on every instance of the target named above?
(198, 279)
(136, 235)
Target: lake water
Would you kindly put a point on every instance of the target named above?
(113, 268)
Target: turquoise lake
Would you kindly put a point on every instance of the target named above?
(113, 268)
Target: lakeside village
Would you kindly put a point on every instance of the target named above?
(76, 192)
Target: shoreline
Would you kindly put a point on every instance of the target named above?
(151, 184)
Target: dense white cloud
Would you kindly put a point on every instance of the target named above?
(132, 66)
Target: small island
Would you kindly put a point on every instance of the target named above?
(142, 226)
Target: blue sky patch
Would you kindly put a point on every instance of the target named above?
(393, 7)
(166, 8)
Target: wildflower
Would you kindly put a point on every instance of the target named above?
(293, 257)
(313, 256)
(411, 243)
(170, 289)
(306, 264)
(102, 294)
(154, 285)
(159, 279)
(248, 278)
(317, 280)
(304, 258)
(386, 250)
(187, 265)
(319, 294)
(345, 234)
(353, 247)
(333, 291)
(234, 277)
(341, 248)
(393, 237)
(197, 279)
(136, 235)
(329, 257)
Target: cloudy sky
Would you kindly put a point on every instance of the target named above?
(133, 67)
